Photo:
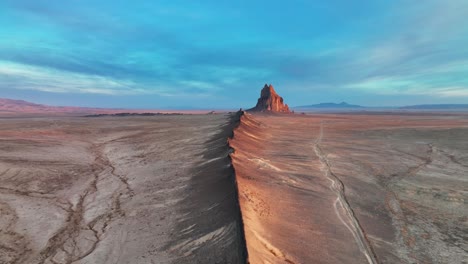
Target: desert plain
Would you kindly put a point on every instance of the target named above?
(235, 188)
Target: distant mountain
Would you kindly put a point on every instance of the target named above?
(330, 106)
(436, 107)
(20, 108)
(10, 107)
(14, 105)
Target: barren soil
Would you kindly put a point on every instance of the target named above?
(353, 188)
(329, 188)
(118, 190)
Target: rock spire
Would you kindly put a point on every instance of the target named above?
(270, 101)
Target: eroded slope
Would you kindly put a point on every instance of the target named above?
(118, 190)
(312, 189)
(353, 188)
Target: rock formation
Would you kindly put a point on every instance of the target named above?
(270, 101)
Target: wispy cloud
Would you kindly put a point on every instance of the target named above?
(27, 77)
(228, 49)
(402, 87)
(452, 91)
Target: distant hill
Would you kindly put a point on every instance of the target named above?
(20, 108)
(351, 107)
(436, 107)
(10, 107)
(329, 106)
(16, 105)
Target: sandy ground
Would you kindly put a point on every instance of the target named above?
(353, 188)
(329, 188)
(118, 190)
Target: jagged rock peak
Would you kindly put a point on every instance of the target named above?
(270, 101)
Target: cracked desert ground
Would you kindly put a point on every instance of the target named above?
(318, 188)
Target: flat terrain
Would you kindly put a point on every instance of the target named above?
(118, 190)
(18, 108)
(386, 188)
(323, 188)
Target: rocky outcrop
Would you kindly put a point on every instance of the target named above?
(270, 101)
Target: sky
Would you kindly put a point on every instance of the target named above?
(218, 54)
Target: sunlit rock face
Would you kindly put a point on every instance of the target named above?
(270, 101)
(352, 188)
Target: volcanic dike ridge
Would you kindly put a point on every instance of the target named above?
(269, 102)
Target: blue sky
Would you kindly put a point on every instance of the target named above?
(218, 54)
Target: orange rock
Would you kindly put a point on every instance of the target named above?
(270, 101)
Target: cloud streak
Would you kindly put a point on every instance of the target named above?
(225, 50)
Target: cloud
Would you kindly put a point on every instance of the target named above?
(226, 49)
(452, 91)
(402, 87)
(27, 77)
